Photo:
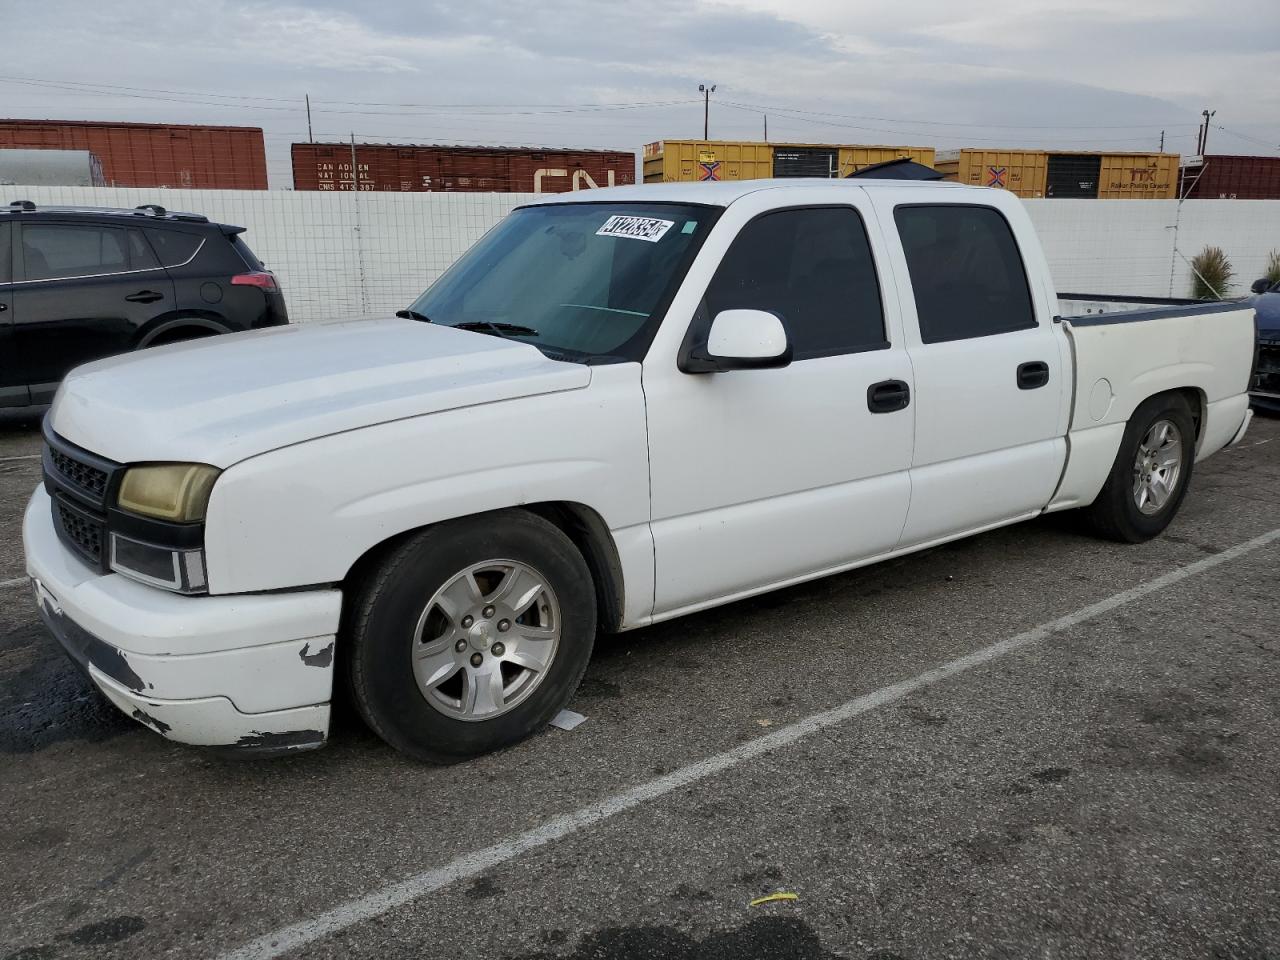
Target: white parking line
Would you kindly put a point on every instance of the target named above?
(28, 456)
(15, 582)
(469, 865)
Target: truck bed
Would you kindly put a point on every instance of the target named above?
(1073, 306)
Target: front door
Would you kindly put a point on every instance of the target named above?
(991, 370)
(85, 291)
(762, 477)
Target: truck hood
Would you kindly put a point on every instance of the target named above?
(226, 398)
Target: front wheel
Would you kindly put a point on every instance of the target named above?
(471, 635)
(1151, 472)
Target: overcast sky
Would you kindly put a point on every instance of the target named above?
(1070, 74)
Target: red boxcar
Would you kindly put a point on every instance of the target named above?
(154, 154)
(1228, 177)
(432, 168)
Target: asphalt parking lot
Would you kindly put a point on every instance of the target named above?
(1094, 772)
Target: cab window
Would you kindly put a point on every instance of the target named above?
(812, 268)
(966, 272)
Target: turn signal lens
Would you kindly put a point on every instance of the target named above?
(168, 491)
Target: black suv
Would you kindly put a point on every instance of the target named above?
(79, 284)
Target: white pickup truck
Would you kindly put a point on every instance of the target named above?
(618, 407)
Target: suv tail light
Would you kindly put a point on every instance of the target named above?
(265, 280)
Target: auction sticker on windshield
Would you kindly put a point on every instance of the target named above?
(635, 228)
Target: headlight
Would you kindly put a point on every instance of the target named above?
(178, 492)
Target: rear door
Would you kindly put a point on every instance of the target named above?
(991, 366)
(84, 291)
(13, 383)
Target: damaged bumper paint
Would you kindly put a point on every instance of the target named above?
(249, 672)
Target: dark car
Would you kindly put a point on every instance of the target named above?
(1264, 392)
(79, 284)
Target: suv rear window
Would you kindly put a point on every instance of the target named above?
(174, 247)
(242, 248)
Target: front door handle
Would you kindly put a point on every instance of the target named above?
(888, 396)
(1033, 374)
(145, 296)
(3, 307)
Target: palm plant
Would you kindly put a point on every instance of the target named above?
(1211, 274)
(1272, 272)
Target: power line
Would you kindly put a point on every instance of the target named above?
(951, 123)
(199, 97)
(925, 133)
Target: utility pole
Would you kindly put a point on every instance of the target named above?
(310, 138)
(1204, 136)
(706, 108)
(1162, 141)
(766, 128)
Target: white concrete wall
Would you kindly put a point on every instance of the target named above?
(343, 255)
(1127, 246)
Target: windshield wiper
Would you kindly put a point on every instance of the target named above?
(413, 315)
(498, 328)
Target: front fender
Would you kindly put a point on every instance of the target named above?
(303, 514)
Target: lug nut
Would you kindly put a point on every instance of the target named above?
(504, 626)
(467, 621)
(487, 612)
(460, 645)
(477, 659)
(498, 649)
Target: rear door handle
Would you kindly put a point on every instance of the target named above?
(1032, 374)
(145, 296)
(3, 307)
(888, 396)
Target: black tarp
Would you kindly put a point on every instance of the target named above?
(900, 169)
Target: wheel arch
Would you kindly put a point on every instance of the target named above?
(582, 524)
(1196, 399)
(206, 325)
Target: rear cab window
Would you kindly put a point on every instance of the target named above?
(966, 271)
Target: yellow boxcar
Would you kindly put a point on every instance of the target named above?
(1139, 176)
(1021, 171)
(1071, 174)
(686, 160)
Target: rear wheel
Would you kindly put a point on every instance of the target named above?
(471, 635)
(1151, 472)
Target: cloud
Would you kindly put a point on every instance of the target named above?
(1025, 73)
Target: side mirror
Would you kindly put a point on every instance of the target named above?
(1261, 286)
(739, 340)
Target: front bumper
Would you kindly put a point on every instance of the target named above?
(252, 672)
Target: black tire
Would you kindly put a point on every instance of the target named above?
(1115, 514)
(390, 599)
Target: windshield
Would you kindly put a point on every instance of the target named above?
(581, 281)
